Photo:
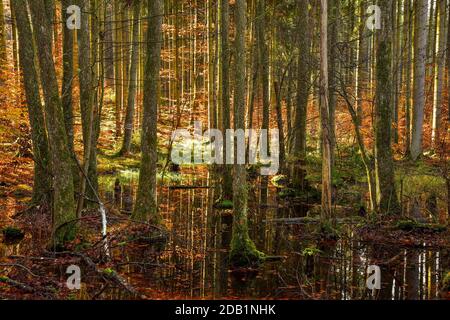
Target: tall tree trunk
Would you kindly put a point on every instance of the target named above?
(384, 165)
(42, 178)
(61, 162)
(146, 203)
(407, 30)
(439, 74)
(132, 76)
(109, 45)
(227, 185)
(243, 251)
(118, 52)
(67, 87)
(263, 61)
(3, 56)
(298, 152)
(420, 58)
(332, 43)
(86, 98)
(324, 113)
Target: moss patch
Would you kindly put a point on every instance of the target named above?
(224, 205)
(245, 254)
(412, 225)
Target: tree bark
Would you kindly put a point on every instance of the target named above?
(61, 162)
(439, 74)
(298, 150)
(384, 166)
(420, 58)
(132, 76)
(227, 185)
(243, 251)
(326, 208)
(42, 178)
(146, 203)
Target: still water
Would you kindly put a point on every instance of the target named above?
(194, 262)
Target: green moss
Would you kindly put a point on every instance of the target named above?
(287, 193)
(311, 251)
(109, 272)
(244, 253)
(446, 282)
(413, 225)
(224, 205)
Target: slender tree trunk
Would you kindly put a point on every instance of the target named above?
(243, 251)
(132, 76)
(420, 58)
(118, 80)
(303, 86)
(146, 203)
(384, 165)
(324, 113)
(332, 42)
(408, 47)
(86, 98)
(263, 59)
(227, 185)
(42, 178)
(61, 162)
(439, 74)
(3, 56)
(67, 87)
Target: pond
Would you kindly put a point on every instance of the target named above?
(194, 262)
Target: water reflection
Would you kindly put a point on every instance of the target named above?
(194, 263)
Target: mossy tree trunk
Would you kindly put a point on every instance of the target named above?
(243, 250)
(67, 88)
(420, 59)
(325, 113)
(298, 150)
(384, 165)
(3, 55)
(42, 181)
(132, 84)
(227, 185)
(86, 97)
(263, 62)
(146, 208)
(61, 163)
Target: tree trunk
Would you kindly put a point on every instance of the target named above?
(407, 45)
(42, 179)
(129, 116)
(384, 165)
(227, 185)
(263, 61)
(439, 74)
(243, 251)
(420, 58)
(3, 56)
(118, 81)
(332, 42)
(298, 152)
(67, 87)
(146, 203)
(61, 162)
(324, 113)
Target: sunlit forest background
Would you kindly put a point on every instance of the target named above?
(357, 89)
